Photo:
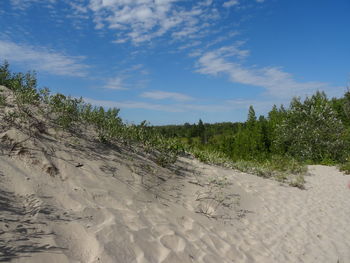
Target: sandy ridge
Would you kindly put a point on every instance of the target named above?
(112, 205)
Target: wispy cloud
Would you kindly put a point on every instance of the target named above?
(161, 95)
(43, 59)
(139, 21)
(134, 76)
(142, 20)
(133, 105)
(277, 83)
(115, 83)
(24, 4)
(261, 106)
(230, 3)
(177, 107)
(78, 7)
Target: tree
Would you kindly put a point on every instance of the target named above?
(274, 119)
(201, 132)
(251, 117)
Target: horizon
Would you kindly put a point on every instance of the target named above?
(170, 62)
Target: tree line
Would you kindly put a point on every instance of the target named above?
(312, 130)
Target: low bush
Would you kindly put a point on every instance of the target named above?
(286, 170)
(345, 167)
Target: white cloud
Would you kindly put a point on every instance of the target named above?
(134, 76)
(161, 95)
(78, 8)
(230, 3)
(115, 83)
(206, 107)
(132, 105)
(24, 4)
(161, 107)
(261, 106)
(276, 82)
(142, 20)
(196, 53)
(191, 44)
(42, 59)
(222, 38)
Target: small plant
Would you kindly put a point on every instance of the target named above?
(2, 100)
(281, 177)
(298, 181)
(219, 181)
(214, 200)
(345, 167)
(165, 159)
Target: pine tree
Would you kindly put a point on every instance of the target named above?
(251, 116)
(201, 132)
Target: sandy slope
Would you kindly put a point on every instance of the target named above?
(71, 200)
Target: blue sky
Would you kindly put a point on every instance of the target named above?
(175, 61)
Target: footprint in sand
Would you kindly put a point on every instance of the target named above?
(173, 242)
(186, 222)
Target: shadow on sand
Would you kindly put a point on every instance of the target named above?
(21, 233)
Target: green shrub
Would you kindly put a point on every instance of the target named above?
(65, 109)
(312, 131)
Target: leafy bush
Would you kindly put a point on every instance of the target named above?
(311, 131)
(210, 156)
(66, 110)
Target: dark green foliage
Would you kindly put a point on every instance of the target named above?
(250, 142)
(251, 116)
(201, 133)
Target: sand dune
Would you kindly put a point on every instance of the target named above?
(67, 199)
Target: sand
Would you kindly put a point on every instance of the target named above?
(69, 199)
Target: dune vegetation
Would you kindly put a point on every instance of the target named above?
(310, 131)
(314, 130)
(36, 108)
